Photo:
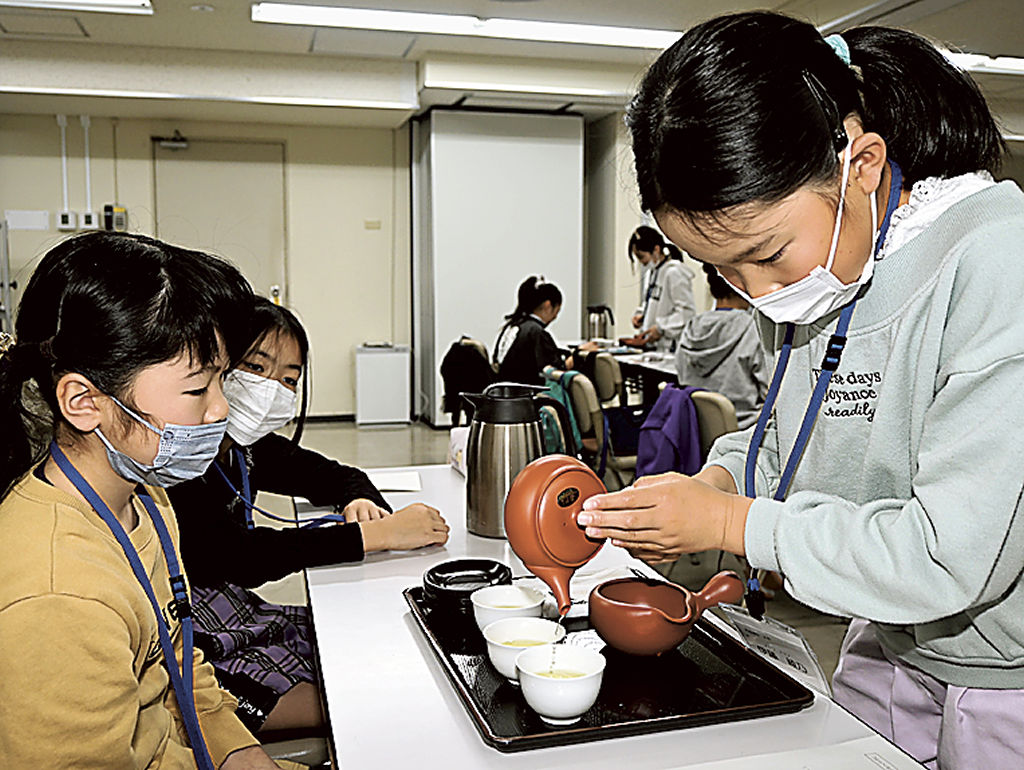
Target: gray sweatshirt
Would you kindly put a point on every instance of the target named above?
(906, 508)
(720, 350)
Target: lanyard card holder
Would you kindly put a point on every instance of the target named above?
(781, 645)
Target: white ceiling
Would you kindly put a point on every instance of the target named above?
(994, 27)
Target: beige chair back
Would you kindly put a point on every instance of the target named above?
(586, 407)
(607, 378)
(473, 343)
(716, 416)
(479, 346)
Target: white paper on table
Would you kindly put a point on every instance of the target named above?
(873, 752)
(396, 481)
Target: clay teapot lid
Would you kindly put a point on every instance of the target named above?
(541, 510)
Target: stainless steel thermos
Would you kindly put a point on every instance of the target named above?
(504, 437)
(600, 322)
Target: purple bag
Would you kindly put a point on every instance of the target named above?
(670, 436)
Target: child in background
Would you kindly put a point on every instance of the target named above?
(666, 289)
(524, 345)
(720, 350)
(262, 652)
(119, 337)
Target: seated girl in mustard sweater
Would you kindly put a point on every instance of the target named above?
(121, 345)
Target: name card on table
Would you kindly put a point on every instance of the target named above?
(779, 644)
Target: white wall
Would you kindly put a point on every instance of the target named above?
(348, 283)
(613, 212)
(501, 199)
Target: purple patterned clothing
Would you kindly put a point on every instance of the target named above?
(259, 650)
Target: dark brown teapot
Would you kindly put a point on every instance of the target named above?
(648, 617)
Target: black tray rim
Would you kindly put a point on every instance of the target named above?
(564, 736)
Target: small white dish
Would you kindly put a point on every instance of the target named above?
(508, 637)
(560, 681)
(499, 602)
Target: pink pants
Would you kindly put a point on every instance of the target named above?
(944, 727)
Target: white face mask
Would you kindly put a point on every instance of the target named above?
(820, 292)
(257, 406)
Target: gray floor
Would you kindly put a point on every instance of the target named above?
(374, 447)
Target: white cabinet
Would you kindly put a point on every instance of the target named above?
(382, 384)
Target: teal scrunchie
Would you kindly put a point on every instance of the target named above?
(840, 47)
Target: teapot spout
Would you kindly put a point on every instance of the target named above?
(557, 579)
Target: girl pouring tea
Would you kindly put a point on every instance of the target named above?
(843, 187)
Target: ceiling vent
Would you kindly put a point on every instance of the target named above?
(40, 26)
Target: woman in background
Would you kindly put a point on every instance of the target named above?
(262, 652)
(666, 289)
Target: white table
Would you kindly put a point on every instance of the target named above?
(662, 363)
(391, 705)
(650, 369)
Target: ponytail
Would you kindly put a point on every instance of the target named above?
(534, 292)
(748, 107)
(22, 425)
(645, 239)
(933, 117)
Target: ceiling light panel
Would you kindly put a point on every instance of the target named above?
(135, 7)
(1000, 65)
(463, 26)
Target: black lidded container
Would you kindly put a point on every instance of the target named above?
(447, 586)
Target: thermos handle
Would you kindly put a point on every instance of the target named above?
(534, 388)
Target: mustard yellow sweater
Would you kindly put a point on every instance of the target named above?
(81, 677)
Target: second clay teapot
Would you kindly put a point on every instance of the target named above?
(641, 616)
(540, 520)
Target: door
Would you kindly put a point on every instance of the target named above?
(225, 197)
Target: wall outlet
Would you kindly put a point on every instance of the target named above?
(115, 217)
(88, 220)
(67, 220)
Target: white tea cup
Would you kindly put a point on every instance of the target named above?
(508, 637)
(499, 602)
(561, 681)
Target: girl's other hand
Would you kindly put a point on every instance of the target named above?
(662, 517)
(414, 526)
(362, 509)
(637, 320)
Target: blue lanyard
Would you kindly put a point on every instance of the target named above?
(829, 364)
(181, 609)
(652, 284)
(245, 495)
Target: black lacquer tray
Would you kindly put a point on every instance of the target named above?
(708, 679)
